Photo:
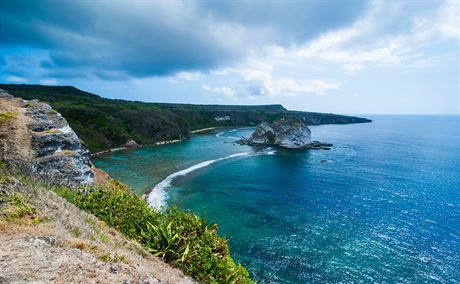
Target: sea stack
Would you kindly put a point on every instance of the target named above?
(288, 133)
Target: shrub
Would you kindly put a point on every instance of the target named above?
(182, 239)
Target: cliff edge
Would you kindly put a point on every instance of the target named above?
(38, 140)
(43, 237)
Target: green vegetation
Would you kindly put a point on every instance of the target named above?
(182, 239)
(105, 123)
(50, 131)
(113, 258)
(14, 206)
(6, 117)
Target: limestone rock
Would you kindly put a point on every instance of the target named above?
(285, 132)
(41, 143)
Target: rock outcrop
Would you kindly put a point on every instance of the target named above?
(285, 132)
(39, 141)
(112, 122)
(131, 143)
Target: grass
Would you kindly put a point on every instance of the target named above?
(74, 232)
(7, 117)
(113, 258)
(103, 238)
(68, 152)
(14, 206)
(50, 131)
(182, 239)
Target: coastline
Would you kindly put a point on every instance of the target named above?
(108, 151)
(203, 129)
(130, 148)
(165, 142)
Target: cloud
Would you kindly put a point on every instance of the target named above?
(189, 76)
(262, 82)
(351, 68)
(225, 90)
(116, 40)
(15, 79)
(290, 22)
(386, 35)
(389, 34)
(50, 81)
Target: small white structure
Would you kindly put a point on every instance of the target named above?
(222, 118)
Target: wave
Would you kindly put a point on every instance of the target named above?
(157, 196)
(221, 134)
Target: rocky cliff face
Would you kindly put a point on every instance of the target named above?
(113, 122)
(39, 141)
(285, 132)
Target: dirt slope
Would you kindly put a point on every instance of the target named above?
(45, 239)
(57, 242)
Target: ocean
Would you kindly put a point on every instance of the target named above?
(383, 205)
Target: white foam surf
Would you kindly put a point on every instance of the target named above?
(157, 196)
(221, 134)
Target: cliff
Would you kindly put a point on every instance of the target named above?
(64, 221)
(105, 123)
(39, 141)
(44, 238)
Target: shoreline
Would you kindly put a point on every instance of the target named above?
(165, 142)
(132, 148)
(204, 129)
(108, 151)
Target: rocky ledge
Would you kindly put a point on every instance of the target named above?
(285, 132)
(39, 141)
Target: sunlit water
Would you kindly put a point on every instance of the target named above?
(382, 206)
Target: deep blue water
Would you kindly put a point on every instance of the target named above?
(382, 206)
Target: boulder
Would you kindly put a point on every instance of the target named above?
(131, 143)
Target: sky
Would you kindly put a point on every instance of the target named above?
(350, 57)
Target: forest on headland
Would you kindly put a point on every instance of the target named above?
(109, 123)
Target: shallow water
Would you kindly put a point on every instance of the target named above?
(382, 206)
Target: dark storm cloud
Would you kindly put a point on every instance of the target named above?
(138, 39)
(291, 21)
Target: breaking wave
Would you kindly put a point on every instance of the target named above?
(157, 196)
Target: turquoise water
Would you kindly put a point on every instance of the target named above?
(382, 206)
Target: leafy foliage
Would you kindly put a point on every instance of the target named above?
(182, 239)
